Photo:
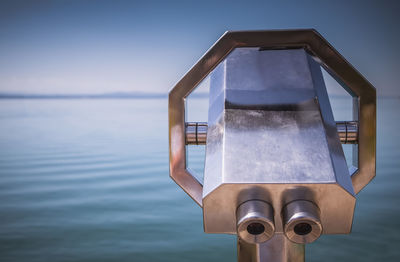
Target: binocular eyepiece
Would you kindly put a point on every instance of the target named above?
(301, 221)
(255, 221)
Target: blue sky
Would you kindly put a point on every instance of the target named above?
(147, 46)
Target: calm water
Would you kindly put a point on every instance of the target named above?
(87, 180)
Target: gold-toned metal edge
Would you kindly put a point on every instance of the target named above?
(323, 52)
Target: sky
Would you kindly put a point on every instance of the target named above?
(75, 47)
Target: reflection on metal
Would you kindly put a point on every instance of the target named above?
(196, 132)
(275, 172)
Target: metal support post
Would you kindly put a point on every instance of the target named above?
(277, 249)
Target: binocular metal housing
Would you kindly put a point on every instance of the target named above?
(274, 161)
(272, 137)
(255, 221)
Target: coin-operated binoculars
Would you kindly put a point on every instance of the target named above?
(275, 172)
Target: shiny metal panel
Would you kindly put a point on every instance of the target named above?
(280, 131)
(266, 135)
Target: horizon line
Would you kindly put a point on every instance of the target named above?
(121, 95)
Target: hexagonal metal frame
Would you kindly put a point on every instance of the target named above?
(364, 97)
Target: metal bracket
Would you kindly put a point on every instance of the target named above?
(196, 132)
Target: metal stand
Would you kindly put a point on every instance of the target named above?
(277, 249)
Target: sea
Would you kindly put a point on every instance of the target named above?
(88, 180)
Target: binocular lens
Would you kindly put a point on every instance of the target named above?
(302, 229)
(255, 228)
